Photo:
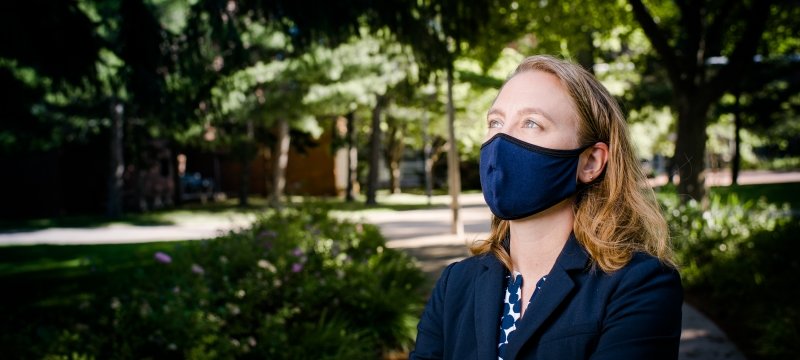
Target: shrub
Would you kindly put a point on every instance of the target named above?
(740, 259)
(297, 285)
(722, 230)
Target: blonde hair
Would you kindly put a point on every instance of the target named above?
(618, 214)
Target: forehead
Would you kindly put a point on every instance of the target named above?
(536, 89)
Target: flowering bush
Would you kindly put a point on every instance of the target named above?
(297, 285)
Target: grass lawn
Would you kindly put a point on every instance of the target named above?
(44, 285)
(45, 275)
(772, 193)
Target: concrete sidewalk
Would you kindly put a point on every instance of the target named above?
(198, 228)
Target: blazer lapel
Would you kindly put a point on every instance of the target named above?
(558, 286)
(488, 305)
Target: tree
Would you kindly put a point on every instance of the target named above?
(572, 29)
(450, 29)
(115, 70)
(247, 104)
(361, 73)
(764, 101)
(29, 73)
(690, 37)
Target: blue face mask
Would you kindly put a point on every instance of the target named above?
(521, 179)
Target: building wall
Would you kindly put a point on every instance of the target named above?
(309, 173)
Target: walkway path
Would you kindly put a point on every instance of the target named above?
(198, 227)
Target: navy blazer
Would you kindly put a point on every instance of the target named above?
(580, 313)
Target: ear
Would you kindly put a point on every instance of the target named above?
(592, 162)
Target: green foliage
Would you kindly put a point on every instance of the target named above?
(297, 285)
(352, 74)
(574, 30)
(777, 164)
(723, 229)
(736, 250)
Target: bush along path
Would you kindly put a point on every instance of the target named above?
(296, 285)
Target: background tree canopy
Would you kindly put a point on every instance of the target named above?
(125, 72)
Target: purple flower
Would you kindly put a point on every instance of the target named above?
(298, 252)
(297, 267)
(162, 257)
(197, 269)
(267, 234)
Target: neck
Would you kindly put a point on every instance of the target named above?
(536, 241)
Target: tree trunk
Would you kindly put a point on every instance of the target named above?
(394, 152)
(394, 167)
(352, 157)
(586, 56)
(217, 176)
(690, 147)
(177, 195)
(375, 150)
(281, 157)
(246, 157)
(453, 171)
(737, 141)
(426, 157)
(116, 161)
(244, 181)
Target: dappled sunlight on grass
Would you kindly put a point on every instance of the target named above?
(87, 221)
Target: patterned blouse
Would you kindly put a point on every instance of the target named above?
(512, 309)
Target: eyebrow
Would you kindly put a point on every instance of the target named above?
(495, 111)
(523, 111)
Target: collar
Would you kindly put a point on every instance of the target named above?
(489, 298)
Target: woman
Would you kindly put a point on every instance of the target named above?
(578, 263)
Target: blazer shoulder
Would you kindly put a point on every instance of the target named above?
(474, 264)
(645, 270)
(468, 268)
(642, 263)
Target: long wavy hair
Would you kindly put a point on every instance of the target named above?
(617, 215)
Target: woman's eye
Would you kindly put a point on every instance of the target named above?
(494, 124)
(529, 124)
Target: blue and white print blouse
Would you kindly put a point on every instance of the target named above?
(512, 308)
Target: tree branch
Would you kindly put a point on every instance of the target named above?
(714, 31)
(692, 57)
(743, 53)
(658, 40)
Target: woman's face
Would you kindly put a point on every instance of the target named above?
(535, 108)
